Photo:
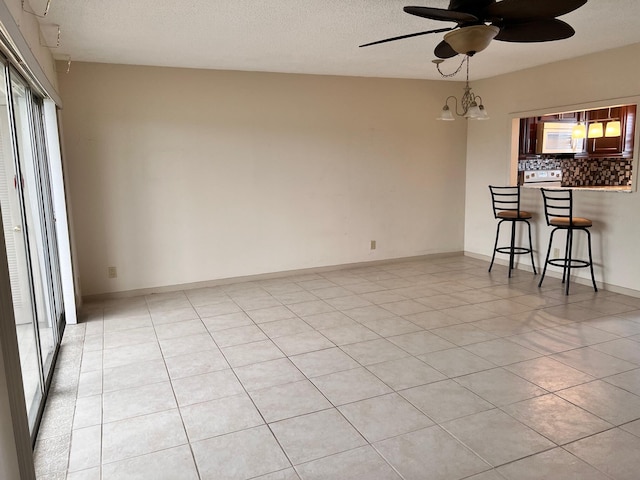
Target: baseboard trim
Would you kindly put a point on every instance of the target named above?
(261, 276)
(558, 274)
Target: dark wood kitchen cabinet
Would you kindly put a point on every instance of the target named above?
(528, 136)
(621, 146)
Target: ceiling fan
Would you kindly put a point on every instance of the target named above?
(480, 21)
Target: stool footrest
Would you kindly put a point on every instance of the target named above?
(562, 262)
(516, 250)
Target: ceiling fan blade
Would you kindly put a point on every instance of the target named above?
(444, 50)
(523, 10)
(439, 30)
(441, 14)
(545, 30)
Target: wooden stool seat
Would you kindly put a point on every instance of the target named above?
(575, 222)
(512, 214)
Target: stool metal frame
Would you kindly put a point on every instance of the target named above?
(506, 208)
(558, 209)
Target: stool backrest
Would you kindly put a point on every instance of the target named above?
(505, 199)
(557, 204)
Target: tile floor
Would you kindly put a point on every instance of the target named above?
(431, 369)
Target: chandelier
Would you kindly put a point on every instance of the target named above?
(469, 106)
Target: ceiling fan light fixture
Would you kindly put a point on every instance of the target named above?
(613, 129)
(472, 39)
(596, 130)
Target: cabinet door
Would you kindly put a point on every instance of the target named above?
(528, 136)
(607, 146)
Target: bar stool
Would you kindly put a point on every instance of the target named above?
(558, 210)
(506, 208)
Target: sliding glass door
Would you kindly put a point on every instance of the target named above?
(29, 230)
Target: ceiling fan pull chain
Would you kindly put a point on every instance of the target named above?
(449, 75)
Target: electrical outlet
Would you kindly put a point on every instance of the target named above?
(373, 244)
(112, 272)
(556, 252)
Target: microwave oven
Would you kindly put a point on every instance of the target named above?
(555, 137)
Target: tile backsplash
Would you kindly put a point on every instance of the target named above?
(597, 172)
(581, 172)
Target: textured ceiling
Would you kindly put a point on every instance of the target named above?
(304, 36)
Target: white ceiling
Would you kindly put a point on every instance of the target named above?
(305, 36)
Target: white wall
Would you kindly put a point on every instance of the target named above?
(180, 176)
(598, 77)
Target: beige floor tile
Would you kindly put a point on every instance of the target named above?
(316, 435)
(446, 400)
(238, 336)
(500, 387)
(228, 320)
(86, 446)
(502, 352)
(323, 362)
(268, 374)
(362, 463)
(629, 381)
(128, 376)
(205, 387)
(556, 463)
(180, 329)
(405, 373)
(456, 362)
(303, 343)
(387, 327)
(623, 349)
(350, 334)
(613, 404)
(614, 452)
(196, 363)
(432, 319)
(372, 312)
(417, 343)
(271, 314)
(549, 374)
(347, 303)
(248, 353)
(384, 417)
(350, 386)
(310, 307)
(593, 362)
(496, 437)
(430, 450)
(171, 316)
(556, 419)
(463, 334)
(289, 400)
(219, 417)
(239, 455)
(140, 435)
(374, 351)
(280, 328)
(135, 401)
(173, 347)
(323, 321)
(164, 465)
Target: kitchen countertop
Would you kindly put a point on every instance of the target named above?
(602, 188)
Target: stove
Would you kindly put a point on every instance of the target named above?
(543, 178)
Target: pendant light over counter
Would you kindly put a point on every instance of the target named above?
(598, 128)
